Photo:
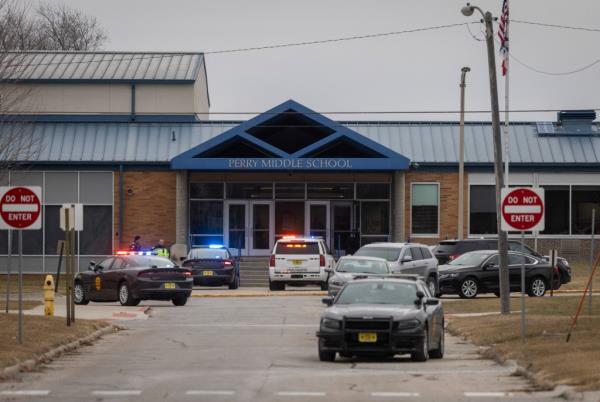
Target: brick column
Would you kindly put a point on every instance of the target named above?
(398, 207)
(181, 207)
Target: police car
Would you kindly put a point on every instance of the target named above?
(299, 261)
(213, 265)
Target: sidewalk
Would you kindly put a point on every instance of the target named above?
(256, 292)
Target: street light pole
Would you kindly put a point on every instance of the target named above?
(461, 151)
(502, 238)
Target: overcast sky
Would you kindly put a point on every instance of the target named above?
(417, 71)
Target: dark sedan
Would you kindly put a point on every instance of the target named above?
(130, 277)
(213, 266)
(382, 317)
(477, 272)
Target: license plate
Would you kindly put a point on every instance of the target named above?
(297, 262)
(367, 337)
(169, 286)
(208, 273)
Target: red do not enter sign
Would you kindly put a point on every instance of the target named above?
(20, 208)
(522, 209)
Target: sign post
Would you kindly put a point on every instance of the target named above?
(522, 210)
(20, 209)
(71, 220)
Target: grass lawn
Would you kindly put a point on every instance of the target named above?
(548, 319)
(41, 335)
(579, 277)
(14, 304)
(32, 284)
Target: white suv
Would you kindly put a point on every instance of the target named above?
(299, 260)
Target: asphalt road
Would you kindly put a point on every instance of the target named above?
(254, 349)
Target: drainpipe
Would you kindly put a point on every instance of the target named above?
(120, 205)
(132, 101)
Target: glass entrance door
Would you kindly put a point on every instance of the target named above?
(318, 219)
(261, 234)
(345, 235)
(236, 222)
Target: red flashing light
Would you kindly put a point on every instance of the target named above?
(289, 237)
(121, 252)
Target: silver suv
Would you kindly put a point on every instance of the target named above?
(406, 258)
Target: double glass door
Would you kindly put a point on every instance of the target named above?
(249, 227)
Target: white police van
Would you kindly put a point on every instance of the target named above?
(299, 261)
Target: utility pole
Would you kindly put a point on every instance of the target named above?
(461, 152)
(498, 171)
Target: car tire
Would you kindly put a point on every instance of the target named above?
(80, 295)
(324, 286)
(423, 353)
(125, 296)
(235, 284)
(276, 286)
(537, 287)
(438, 353)
(180, 301)
(325, 356)
(469, 288)
(432, 285)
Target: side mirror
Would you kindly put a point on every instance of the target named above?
(329, 269)
(327, 300)
(92, 266)
(432, 302)
(406, 258)
(419, 299)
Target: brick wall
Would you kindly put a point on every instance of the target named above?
(150, 210)
(448, 208)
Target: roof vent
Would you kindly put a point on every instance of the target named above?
(571, 122)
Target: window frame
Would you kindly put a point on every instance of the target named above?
(424, 235)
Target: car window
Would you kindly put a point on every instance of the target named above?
(408, 253)
(358, 265)
(297, 247)
(148, 261)
(466, 246)
(106, 263)
(493, 260)
(416, 253)
(426, 253)
(424, 288)
(522, 248)
(208, 253)
(396, 293)
(117, 264)
(516, 259)
(473, 258)
(387, 253)
(446, 247)
(327, 251)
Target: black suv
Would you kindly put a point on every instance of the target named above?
(448, 250)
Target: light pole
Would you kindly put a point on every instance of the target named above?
(461, 152)
(502, 239)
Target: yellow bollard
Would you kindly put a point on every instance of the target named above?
(49, 295)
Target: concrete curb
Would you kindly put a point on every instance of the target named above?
(261, 294)
(31, 364)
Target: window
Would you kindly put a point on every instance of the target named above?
(250, 190)
(96, 236)
(584, 200)
(61, 187)
(426, 253)
(96, 188)
(482, 210)
(52, 231)
(557, 209)
(206, 217)
(416, 253)
(374, 218)
(330, 191)
(373, 191)
(206, 190)
(424, 209)
(289, 218)
(289, 190)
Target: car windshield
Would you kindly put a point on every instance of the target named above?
(297, 247)
(207, 253)
(148, 261)
(387, 253)
(470, 259)
(397, 293)
(360, 266)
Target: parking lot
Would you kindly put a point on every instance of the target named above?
(254, 348)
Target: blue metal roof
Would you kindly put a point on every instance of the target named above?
(425, 143)
(70, 66)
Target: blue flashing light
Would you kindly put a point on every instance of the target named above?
(215, 246)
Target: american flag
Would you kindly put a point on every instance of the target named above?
(503, 35)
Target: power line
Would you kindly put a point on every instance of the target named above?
(542, 24)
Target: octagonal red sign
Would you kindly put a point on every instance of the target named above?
(522, 209)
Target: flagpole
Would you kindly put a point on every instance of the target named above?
(506, 88)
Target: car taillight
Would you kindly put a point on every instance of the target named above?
(321, 260)
(187, 274)
(453, 256)
(272, 261)
(227, 263)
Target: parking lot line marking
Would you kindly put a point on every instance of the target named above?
(209, 392)
(31, 392)
(488, 394)
(396, 394)
(300, 393)
(129, 392)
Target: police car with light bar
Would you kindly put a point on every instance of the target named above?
(213, 265)
(299, 261)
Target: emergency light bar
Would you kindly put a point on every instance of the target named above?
(123, 252)
(216, 246)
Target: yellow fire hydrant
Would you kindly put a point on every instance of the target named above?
(49, 295)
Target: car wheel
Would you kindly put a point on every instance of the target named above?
(125, 296)
(79, 294)
(275, 286)
(180, 301)
(423, 353)
(468, 288)
(325, 356)
(537, 287)
(438, 353)
(235, 284)
(432, 285)
(324, 286)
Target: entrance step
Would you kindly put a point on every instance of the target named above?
(254, 271)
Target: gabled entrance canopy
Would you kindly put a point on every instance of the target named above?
(290, 137)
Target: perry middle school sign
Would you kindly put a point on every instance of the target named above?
(307, 163)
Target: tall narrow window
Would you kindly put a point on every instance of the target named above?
(584, 200)
(556, 204)
(482, 210)
(425, 209)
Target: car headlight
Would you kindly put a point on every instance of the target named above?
(451, 275)
(331, 323)
(408, 324)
